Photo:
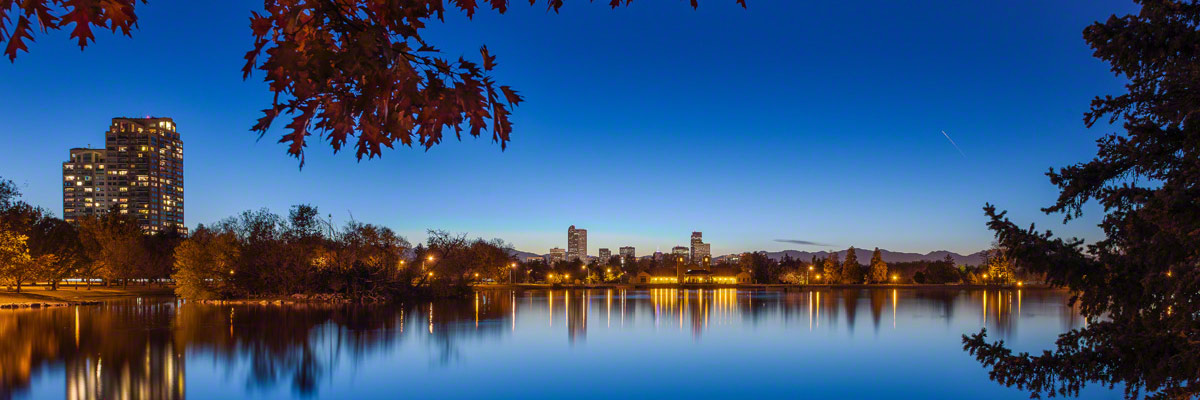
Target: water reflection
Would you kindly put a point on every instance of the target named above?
(139, 349)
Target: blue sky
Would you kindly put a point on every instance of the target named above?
(788, 120)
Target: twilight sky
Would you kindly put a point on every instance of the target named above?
(789, 120)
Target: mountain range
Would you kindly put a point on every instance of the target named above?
(864, 255)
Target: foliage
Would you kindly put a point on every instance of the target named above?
(879, 269)
(1139, 286)
(345, 69)
(832, 269)
(997, 265)
(16, 265)
(204, 263)
(851, 271)
(114, 243)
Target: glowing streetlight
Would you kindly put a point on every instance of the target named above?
(894, 277)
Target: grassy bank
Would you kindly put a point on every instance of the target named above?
(66, 295)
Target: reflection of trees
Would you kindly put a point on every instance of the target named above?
(137, 348)
(111, 351)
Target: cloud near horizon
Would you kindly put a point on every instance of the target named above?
(803, 242)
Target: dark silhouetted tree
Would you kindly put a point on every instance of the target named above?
(1139, 286)
(851, 271)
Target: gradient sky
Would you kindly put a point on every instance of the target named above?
(789, 120)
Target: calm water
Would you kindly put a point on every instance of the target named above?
(600, 344)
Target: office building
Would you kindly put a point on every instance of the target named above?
(557, 255)
(576, 244)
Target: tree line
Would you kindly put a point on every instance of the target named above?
(255, 254)
(996, 269)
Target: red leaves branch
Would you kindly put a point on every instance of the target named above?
(344, 69)
(57, 14)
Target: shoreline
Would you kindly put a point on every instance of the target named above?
(42, 296)
(770, 286)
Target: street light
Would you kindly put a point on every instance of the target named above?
(512, 268)
(810, 269)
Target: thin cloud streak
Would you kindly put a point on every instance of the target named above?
(955, 144)
(803, 242)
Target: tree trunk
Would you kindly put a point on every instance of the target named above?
(18, 286)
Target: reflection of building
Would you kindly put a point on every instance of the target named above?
(576, 244)
(605, 254)
(557, 255)
(142, 168)
(159, 375)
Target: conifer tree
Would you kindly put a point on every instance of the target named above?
(851, 272)
(879, 269)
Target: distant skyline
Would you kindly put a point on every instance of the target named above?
(783, 126)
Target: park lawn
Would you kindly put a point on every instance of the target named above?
(68, 294)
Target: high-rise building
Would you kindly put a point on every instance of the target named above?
(557, 255)
(680, 251)
(142, 168)
(627, 254)
(605, 254)
(702, 254)
(85, 189)
(576, 244)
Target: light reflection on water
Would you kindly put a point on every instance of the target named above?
(597, 343)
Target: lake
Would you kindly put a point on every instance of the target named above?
(582, 344)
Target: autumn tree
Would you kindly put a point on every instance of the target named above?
(879, 269)
(1138, 285)
(57, 242)
(851, 271)
(16, 265)
(113, 242)
(353, 72)
(997, 265)
(204, 264)
(832, 268)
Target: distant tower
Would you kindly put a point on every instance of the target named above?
(697, 239)
(627, 254)
(576, 244)
(605, 254)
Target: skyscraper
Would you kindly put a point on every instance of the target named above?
(627, 254)
(85, 189)
(139, 172)
(605, 254)
(700, 251)
(680, 252)
(557, 255)
(576, 244)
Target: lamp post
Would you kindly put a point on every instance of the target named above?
(512, 269)
(810, 270)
